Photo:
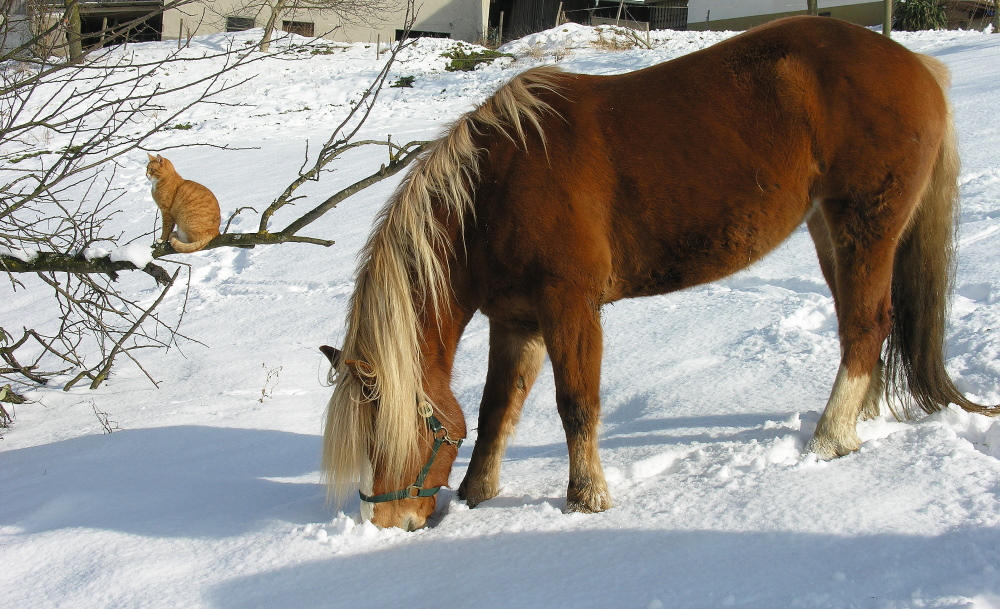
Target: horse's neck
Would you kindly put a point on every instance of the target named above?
(441, 335)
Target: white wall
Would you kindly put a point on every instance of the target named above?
(736, 9)
(463, 19)
(16, 28)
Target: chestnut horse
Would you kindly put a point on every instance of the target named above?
(564, 192)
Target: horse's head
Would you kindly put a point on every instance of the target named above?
(402, 496)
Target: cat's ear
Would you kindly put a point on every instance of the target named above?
(159, 158)
(151, 157)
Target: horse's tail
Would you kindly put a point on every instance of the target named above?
(922, 282)
(404, 272)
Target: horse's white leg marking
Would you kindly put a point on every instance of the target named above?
(836, 433)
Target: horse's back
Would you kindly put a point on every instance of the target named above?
(687, 171)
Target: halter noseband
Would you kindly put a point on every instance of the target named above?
(414, 491)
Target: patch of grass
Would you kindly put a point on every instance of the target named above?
(181, 126)
(404, 81)
(326, 50)
(463, 60)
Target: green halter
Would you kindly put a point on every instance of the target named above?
(414, 490)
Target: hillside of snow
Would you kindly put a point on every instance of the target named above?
(207, 494)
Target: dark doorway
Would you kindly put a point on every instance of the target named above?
(499, 21)
(104, 25)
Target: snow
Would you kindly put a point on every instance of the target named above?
(138, 254)
(207, 493)
(24, 255)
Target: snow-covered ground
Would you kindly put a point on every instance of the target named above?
(208, 492)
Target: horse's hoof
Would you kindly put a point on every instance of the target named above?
(474, 493)
(831, 448)
(588, 502)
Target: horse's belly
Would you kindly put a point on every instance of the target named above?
(699, 257)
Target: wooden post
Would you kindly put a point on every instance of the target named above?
(620, 6)
(812, 7)
(887, 20)
(500, 33)
(558, 15)
(180, 34)
(996, 17)
(378, 43)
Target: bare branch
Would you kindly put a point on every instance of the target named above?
(57, 202)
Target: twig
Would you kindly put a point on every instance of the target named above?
(109, 361)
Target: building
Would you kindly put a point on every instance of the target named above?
(477, 20)
(469, 20)
(458, 19)
(735, 15)
(15, 27)
(718, 14)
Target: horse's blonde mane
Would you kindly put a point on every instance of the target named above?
(400, 275)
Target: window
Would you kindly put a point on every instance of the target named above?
(238, 24)
(302, 28)
(418, 34)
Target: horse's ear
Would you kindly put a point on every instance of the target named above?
(361, 369)
(332, 354)
(363, 372)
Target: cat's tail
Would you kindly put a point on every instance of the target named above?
(187, 248)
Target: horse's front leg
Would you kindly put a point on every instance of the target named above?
(571, 325)
(516, 356)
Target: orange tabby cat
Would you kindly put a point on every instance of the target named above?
(188, 205)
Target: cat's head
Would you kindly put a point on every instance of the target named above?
(157, 167)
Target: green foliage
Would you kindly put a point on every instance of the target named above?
(463, 60)
(404, 81)
(913, 15)
(29, 155)
(181, 126)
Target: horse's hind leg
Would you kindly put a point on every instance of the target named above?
(863, 248)
(516, 355)
(570, 321)
(828, 264)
